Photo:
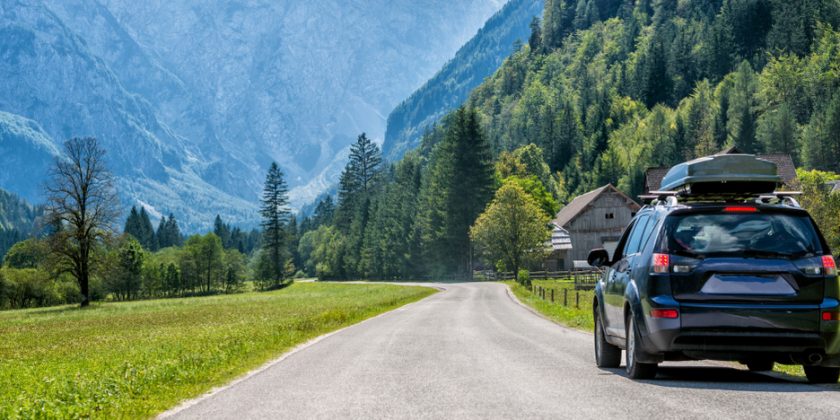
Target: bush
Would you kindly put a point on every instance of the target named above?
(29, 287)
(31, 253)
(523, 277)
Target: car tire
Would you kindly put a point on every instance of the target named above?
(635, 369)
(822, 374)
(606, 354)
(760, 365)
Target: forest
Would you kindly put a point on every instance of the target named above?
(602, 90)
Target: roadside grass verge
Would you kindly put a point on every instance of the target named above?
(137, 359)
(581, 318)
(571, 315)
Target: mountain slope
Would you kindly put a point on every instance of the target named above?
(448, 89)
(297, 81)
(51, 78)
(27, 152)
(193, 102)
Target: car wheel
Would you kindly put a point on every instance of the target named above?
(606, 354)
(822, 374)
(635, 369)
(759, 365)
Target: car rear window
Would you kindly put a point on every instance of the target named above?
(753, 234)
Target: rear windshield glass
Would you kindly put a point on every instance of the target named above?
(750, 234)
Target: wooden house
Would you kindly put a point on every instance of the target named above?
(592, 220)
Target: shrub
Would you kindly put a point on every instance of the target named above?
(524, 277)
(28, 287)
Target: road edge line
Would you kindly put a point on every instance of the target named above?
(513, 297)
(184, 405)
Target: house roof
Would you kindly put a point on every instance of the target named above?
(784, 164)
(560, 239)
(653, 178)
(582, 202)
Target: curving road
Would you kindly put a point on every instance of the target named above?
(472, 351)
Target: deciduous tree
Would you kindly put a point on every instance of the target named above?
(83, 204)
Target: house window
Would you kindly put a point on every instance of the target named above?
(610, 215)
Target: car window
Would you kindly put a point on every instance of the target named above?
(647, 232)
(726, 233)
(622, 243)
(636, 235)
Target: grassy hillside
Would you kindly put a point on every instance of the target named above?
(138, 359)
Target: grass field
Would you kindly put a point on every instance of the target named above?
(138, 359)
(569, 315)
(581, 318)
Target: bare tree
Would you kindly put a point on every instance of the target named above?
(82, 207)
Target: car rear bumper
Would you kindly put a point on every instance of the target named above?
(787, 334)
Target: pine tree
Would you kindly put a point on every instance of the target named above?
(222, 231)
(778, 132)
(132, 224)
(360, 178)
(161, 229)
(821, 143)
(173, 232)
(742, 117)
(366, 159)
(459, 186)
(293, 236)
(147, 231)
(555, 25)
(323, 214)
(275, 215)
(535, 40)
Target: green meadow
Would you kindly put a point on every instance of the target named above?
(137, 359)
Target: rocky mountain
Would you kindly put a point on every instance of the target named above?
(193, 101)
(450, 87)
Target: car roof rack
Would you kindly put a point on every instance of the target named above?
(674, 198)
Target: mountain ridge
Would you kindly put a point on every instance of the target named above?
(193, 103)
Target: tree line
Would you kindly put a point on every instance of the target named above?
(82, 256)
(602, 90)
(417, 218)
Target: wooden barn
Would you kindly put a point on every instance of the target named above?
(592, 220)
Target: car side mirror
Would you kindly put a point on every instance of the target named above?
(598, 257)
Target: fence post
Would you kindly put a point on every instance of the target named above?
(552, 295)
(565, 297)
(577, 299)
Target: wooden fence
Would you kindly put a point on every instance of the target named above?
(583, 279)
(564, 296)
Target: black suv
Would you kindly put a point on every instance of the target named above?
(743, 276)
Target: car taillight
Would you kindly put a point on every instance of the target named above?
(661, 262)
(740, 209)
(830, 316)
(664, 313)
(829, 266)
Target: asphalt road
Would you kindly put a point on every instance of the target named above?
(471, 351)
